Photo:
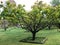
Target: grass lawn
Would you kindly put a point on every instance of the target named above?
(13, 35)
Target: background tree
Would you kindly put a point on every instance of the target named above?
(57, 13)
(8, 14)
(55, 2)
(11, 14)
(50, 16)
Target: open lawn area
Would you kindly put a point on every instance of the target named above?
(13, 35)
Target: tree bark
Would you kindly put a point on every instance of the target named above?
(33, 36)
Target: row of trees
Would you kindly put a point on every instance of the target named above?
(40, 17)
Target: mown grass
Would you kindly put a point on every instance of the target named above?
(13, 35)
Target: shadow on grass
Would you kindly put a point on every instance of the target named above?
(38, 40)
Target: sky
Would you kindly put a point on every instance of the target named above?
(28, 3)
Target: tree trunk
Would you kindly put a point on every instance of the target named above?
(59, 25)
(49, 27)
(33, 36)
(5, 28)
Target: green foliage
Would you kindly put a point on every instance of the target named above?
(33, 19)
(50, 14)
